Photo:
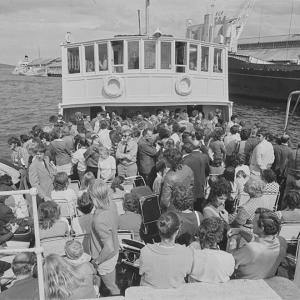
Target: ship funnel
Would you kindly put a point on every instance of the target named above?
(157, 34)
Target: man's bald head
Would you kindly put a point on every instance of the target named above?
(23, 263)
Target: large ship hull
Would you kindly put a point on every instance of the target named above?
(262, 81)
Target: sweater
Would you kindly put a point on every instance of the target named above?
(104, 232)
(165, 267)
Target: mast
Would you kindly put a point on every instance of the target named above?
(147, 16)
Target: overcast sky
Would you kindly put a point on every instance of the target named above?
(29, 25)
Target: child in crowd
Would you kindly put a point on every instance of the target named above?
(76, 257)
(161, 171)
(106, 165)
(131, 219)
(63, 192)
(87, 180)
(78, 159)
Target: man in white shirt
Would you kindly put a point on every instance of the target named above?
(263, 154)
(103, 134)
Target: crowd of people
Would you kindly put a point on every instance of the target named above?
(200, 167)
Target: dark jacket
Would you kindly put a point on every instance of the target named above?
(293, 165)
(60, 152)
(91, 156)
(281, 153)
(22, 289)
(199, 163)
(147, 156)
(183, 176)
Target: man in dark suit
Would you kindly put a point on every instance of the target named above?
(199, 163)
(147, 154)
(281, 153)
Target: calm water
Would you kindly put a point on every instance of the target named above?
(27, 101)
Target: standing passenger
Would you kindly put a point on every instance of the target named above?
(126, 155)
(41, 173)
(263, 154)
(104, 242)
(147, 154)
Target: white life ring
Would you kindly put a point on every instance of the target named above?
(183, 85)
(113, 86)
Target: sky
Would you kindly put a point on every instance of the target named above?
(39, 26)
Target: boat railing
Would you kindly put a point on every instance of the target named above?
(38, 250)
(288, 106)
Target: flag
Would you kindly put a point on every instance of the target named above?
(147, 3)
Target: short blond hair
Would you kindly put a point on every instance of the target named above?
(103, 150)
(99, 192)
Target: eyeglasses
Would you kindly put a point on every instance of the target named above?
(125, 135)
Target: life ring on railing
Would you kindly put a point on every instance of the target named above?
(113, 86)
(183, 85)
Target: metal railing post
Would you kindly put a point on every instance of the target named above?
(39, 250)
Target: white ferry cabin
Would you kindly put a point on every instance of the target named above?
(143, 73)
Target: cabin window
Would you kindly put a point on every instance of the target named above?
(165, 55)
(89, 59)
(102, 49)
(150, 54)
(218, 61)
(73, 60)
(193, 57)
(133, 55)
(118, 56)
(204, 59)
(180, 56)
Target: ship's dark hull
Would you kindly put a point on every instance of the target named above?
(273, 82)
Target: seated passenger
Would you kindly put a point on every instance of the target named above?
(210, 263)
(25, 286)
(116, 189)
(131, 219)
(50, 223)
(63, 192)
(77, 258)
(62, 280)
(219, 192)
(245, 213)
(165, 265)
(292, 212)
(85, 209)
(269, 177)
(87, 180)
(183, 200)
(260, 258)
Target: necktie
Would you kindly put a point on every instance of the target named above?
(46, 166)
(125, 148)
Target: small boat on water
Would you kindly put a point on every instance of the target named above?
(24, 68)
(40, 67)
